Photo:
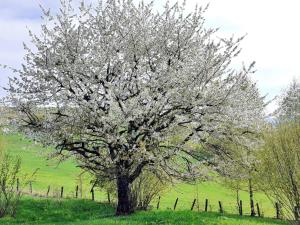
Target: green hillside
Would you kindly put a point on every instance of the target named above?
(50, 172)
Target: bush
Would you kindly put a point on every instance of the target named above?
(280, 168)
(9, 195)
(144, 189)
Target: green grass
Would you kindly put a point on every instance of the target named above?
(49, 172)
(86, 212)
(65, 174)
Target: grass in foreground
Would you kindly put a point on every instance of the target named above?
(85, 212)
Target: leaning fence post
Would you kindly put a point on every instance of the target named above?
(93, 194)
(175, 203)
(241, 208)
(18, 184)
(277, 210)
(193, 204)
(48, 190)
(30, 187)
(221, 208)
(62, 191)
(258, 209)
(157, 206)
(76, 191)
(206, 205)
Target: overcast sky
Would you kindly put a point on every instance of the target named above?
(272, 28)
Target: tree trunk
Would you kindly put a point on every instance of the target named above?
(251, 198)
(238, 198)
(124, 204)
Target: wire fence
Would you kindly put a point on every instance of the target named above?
(159, 203)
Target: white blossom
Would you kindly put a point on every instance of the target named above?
(122, 87)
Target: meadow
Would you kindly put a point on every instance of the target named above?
(51, 172)
(86, 212)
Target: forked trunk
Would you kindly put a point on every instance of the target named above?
(124, 204)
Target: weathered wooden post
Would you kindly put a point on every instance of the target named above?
(108, 197)
(157, 206)
(297, 213)
(18, 184)
(93, 194)
(62, 192)
(48, 190)
(220, 207)
(258, 210)
(252, 208)
(30, 187)
(277, 206)
(193, 204)
(76, 191)
(241, 208)
(206, 205)
(175, 203)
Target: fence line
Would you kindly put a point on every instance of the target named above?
(222, 208)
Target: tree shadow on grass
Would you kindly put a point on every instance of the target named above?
(38, 211)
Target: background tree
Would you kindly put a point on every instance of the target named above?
(280, 168)
(112, 84)
(238, 172)
(289, 102)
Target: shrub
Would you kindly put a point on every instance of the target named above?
(143, 190)
(9, 195)
(280, 168)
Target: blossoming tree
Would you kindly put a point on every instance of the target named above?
(113, 84)
(289, 102)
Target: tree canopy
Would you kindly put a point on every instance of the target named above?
(113, 83)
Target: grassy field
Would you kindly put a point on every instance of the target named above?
(86, 212)
(49, 172)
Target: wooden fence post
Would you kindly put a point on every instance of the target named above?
(93, 194)
(48, 190)
(108, 197)
(157, 206)
(221, 208)
(18, 184)
(277, 210)
(258, 210)
(193, 204)
(252, 207)
(241, 208)
(175, 203)
(62, 192)
(206, 205)
(76, 191)
(30, 187)
(297, 213)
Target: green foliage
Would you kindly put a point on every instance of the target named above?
(280, 168)
(9, 171)
(145, 188)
